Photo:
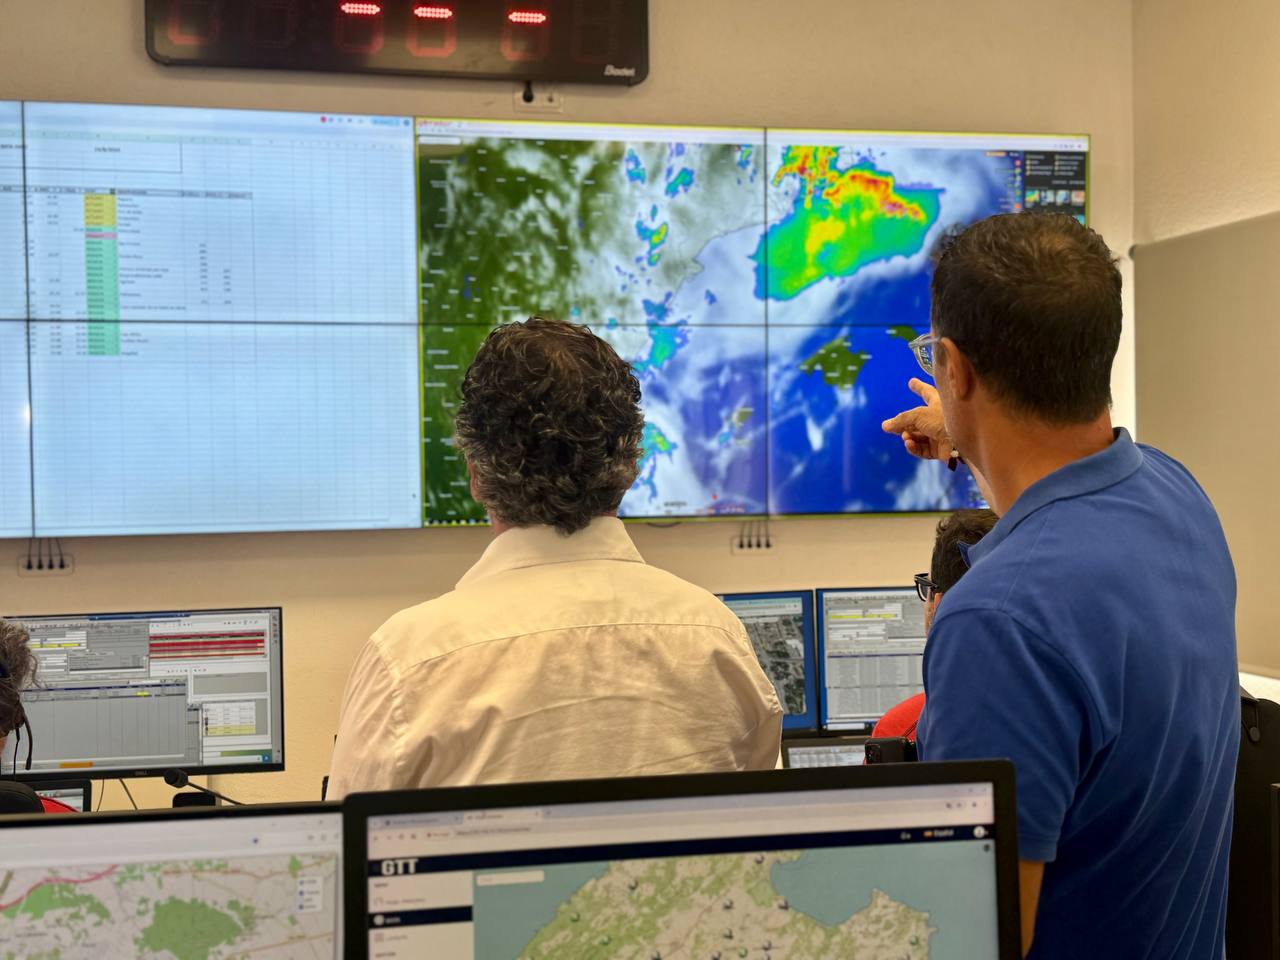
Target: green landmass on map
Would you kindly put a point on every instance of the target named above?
(188, 929)
(690, 908)
(843, 219)
(51, 897)
(168, 910)
(838, 363)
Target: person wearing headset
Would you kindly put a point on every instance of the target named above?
(17, 672)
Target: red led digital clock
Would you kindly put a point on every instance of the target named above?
(586, 41)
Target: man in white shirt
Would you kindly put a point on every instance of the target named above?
(560, 654)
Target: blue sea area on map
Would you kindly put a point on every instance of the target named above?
(827, 451)
(508, 916)
(955, 883)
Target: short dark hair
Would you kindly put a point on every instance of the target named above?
(17, 672)
(550, 424)
(963, 526)
(1033, 300)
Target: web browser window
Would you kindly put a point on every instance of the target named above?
(15, 412)
(174, 885)
(257, 271)
(878, 872)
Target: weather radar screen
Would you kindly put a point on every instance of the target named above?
(764, 285)
(844, 267)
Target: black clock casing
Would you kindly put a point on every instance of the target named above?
(578, 41)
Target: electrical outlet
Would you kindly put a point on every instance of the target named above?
(752, 545)
(537, 98)
(46, 566)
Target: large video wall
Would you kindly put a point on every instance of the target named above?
(217, 320)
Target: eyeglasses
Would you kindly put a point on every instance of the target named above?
(926, 589)
(922, 346)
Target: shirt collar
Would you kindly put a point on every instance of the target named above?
(1096, 472)
(605, 538)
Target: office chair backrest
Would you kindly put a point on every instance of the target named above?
(17, 797)
(1251, 893)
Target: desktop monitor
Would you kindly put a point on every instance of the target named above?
(76, 794)
(202, 882)
(909, 860)
(135, 694)
(870, 653)
(780, 626)
(802, 754)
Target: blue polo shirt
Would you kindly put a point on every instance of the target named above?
(1093, 642)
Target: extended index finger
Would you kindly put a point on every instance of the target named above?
(925, 391)
(908, 421)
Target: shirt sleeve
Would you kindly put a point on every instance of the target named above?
(996, 689)
(366, 751)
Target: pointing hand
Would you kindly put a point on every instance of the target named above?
(923, 431)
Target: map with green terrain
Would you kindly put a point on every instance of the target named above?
(720, 906)
(629, 236)
(269, 907)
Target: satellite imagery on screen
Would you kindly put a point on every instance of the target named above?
(765, 290)
(649, 244)
(764, 284)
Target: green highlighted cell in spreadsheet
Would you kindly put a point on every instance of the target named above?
(102, 274)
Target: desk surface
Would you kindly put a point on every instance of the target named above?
(1266, 687)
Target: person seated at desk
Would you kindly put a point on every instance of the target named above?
(17, 671)
(945, 570)
(561, 653)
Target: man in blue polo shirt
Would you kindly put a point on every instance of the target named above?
(1093, 639)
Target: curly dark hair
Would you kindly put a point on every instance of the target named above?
(17, 672)
(550, 424)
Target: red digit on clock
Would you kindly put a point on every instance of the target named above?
(525, 35)
(433, 30)
(358, 27)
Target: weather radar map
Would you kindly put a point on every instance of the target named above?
(764, 285)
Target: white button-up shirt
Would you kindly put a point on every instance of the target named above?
(555, 658)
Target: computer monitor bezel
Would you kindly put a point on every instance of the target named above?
(796, 724)
(820, 645)
(36, 777)
(808, 743)
(359, 808)
(83, 784)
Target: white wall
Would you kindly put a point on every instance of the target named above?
(987, 65)
(1206, 139)
(1206, 114)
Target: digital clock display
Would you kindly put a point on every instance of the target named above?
(593, 41)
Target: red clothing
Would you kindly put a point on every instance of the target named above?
(55, 806)
(901, 720)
